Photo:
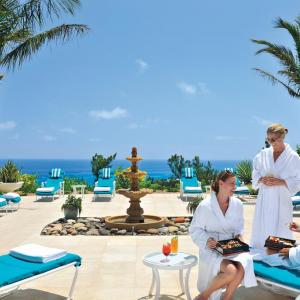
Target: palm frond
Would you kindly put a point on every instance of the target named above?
(31, 45)
(34, 12)
(275, 80)
(284, 54)
(294, 31)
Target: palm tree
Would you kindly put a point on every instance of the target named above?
(22, 28)
(288, 59)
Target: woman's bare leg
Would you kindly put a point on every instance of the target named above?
(228, 271)
(232, 286)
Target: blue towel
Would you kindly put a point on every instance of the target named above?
(16, 269)
(281, 275)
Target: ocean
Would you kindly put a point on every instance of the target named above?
(81, 168)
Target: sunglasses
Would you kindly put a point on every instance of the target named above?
(273, 140)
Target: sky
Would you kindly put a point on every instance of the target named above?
(165, 76)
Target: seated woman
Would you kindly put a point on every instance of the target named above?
(292, 253)
(220, 217)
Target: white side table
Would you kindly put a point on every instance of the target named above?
(79, 186)
(181, 261)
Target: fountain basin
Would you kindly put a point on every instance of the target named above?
(134, 195)
(120, 223)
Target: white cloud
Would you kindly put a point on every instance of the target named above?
(143, 66)
(95, 140)
(261, 121)
(68, 130)
(194, 89)
(116, 113)
(187, 88)
(133, 126)
(49, 138)
(8, 125)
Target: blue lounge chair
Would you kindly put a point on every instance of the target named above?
(53, 185)
(296, 200)
(106, 184)
(286, 279)
(13, 200)
(15, 272)
(189, 184)
(4, 205)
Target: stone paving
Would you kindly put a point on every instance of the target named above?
(112, 266)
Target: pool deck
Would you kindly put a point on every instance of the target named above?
(112, 266)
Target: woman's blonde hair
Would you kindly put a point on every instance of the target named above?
(277, 129)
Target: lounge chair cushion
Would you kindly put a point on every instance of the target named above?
(12, 197)
(102, 189)
(45, 189)
(193, 188)
(17, 269)
(281, 275)
(3, 202)
(296, 200)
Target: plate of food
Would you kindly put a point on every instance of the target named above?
(278, 243)
(231, 246)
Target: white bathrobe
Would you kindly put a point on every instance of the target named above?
(294, 256)
(274, 208)
(209, 221)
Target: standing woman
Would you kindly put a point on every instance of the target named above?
(220, 217)
(276, 173)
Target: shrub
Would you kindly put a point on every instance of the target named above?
(244, 171)
(73, 181)
(73, 202)
(122, 181)
(192, 205)
(30, 184)
(9, 173)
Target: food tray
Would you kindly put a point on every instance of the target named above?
(231, 246)
(278, 243)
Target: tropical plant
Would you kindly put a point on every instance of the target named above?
(288, 59)
(99, 162)
(205, 173)
(9, 173)
(298, 149)
(30, 183)
(244, 171)
(68, 182)
(73, 202)
(23, 32)
(192, 205)
(176, 163)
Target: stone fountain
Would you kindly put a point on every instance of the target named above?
(135, 218)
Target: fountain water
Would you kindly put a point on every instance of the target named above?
(135, 218)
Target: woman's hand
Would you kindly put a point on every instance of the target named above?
(272, 181)
(239, 237)
(284, 252)
(294, 226)
(211, 243)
